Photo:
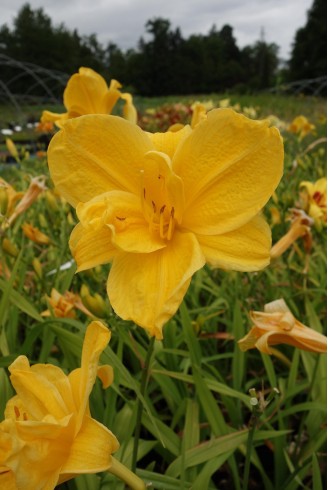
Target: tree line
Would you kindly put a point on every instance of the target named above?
(167, 63)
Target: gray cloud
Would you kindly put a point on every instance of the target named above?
(123, 21)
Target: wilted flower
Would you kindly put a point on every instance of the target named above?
(48, 435)
(87, 93)
(277, 325)
(161, 205)
(314, 199)
(35, 234)
(64, 305)
(36, 186)
(300, 125)
(300, 227)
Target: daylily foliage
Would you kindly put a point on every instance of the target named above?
(159, 206)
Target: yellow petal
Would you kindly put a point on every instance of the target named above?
(148, 288)
(106, 374)
(96, 154)
(7, 479)
(36, 392)
(321, 185)
(244, 249)
(96, 339)
(309, 187)
(91, 450)
(59, 379)
(122, 213)
(129, 111)
(86, 91)
(91, 247)
(230, 166)
(48, 116)
(168, 142)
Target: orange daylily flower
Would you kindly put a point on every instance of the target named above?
(277, 325)
(87, 93)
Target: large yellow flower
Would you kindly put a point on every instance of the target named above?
(48, 435)
(87, 93)
(161, 205)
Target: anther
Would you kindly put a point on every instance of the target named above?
(120, 219)
(17, 412)
(154, 206)
(25, 416)
(162, 209)
(172, 212)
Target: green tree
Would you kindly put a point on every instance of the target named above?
(309, 52)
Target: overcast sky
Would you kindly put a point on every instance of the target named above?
(123, 21)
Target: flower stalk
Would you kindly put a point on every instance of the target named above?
(258, 404)
(123, 473)
(143, 386)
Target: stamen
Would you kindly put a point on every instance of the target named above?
(17, 412)
(161, 222)
(120, 219)
(144, 193)
(154, 206)
(162, 209)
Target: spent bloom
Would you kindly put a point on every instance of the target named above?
(277, 325)
(64, 305)
(37, 185)
(159, 206)
(300, 226)
(88, 93)
(48, 435)
(35, 234)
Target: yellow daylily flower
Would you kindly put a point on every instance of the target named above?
(35, 234)
(87, 93)
(315, 200)
(277, 325)
(300, 125)
(48, 435)
(159, 206)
